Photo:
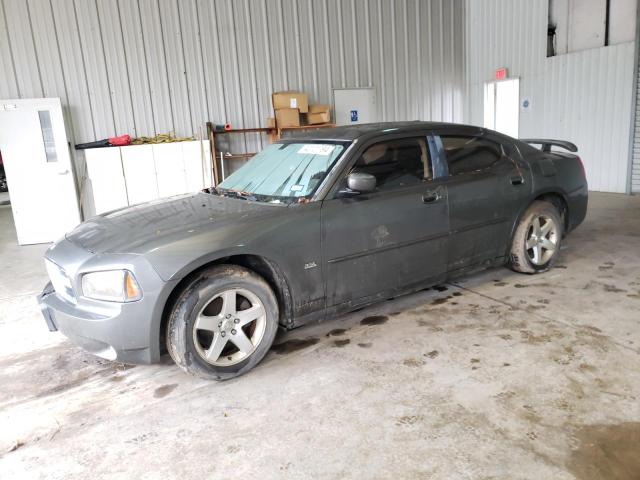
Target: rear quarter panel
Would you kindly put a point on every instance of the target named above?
(561, 173)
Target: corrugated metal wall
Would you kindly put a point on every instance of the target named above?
(582, 97)
(635, 159)
(153, 66)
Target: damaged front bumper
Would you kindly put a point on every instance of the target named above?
(46, 312)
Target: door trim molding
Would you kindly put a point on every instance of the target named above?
(388, 247)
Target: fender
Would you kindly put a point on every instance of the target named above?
(537, 196)
(263, 266)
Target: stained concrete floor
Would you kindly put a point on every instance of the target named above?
(498, 375)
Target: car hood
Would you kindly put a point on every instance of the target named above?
(143, 227)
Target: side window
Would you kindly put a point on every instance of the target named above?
(396, 163)
(467, 154)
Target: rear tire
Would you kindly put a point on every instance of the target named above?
(536, 243)
(223, 323)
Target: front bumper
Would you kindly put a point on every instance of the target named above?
(121, 334)
(124, 332)
(48, 290)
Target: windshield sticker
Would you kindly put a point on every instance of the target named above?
(297, 188)
(316, 149)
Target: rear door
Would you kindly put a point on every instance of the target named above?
(392, 238)
(485, 184)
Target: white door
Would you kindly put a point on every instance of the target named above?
(38, 165)
(354, 105)
(502, 106)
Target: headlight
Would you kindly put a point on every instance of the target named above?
(111, 285)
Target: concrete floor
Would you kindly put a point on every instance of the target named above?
(500, 375)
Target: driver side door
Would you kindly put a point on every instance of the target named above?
(393, 238)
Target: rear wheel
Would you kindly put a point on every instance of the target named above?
(223, 323)
(536, 243)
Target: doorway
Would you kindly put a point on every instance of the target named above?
(502, 106)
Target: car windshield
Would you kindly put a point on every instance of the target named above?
(283, 171)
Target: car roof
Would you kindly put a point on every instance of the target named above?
(369, 130)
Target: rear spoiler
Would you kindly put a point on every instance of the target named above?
(547, 144)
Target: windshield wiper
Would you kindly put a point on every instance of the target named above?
(228, 192)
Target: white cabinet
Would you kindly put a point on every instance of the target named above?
(106, 179)
(139, 173)
(122, 176)
(170, 169)
(197, 161)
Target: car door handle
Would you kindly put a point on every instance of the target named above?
(430, 197)
(517, 180)
(63, 173)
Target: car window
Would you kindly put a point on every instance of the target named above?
(467, 154)
(396, 163)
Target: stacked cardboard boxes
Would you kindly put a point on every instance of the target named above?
(292, 109)
(319, 114)
(288, 107)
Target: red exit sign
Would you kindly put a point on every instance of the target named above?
(501, 74)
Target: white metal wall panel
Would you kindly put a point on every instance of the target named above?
(8, 81)
(581, 96)
(156, 63)
(137, 69)
(194, 68)
(73, 71)
(176, 70)
(154, 66)
(247, 72)
(212, 63)
(635, 165)
(26, 67)
(116, 66)
(93, 55)
(47, 51)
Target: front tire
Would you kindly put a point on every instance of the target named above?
(536, 243)
(223, 323)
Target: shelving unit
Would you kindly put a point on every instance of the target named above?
(274, 135)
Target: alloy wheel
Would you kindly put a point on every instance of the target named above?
(542, 240)
(229, 328)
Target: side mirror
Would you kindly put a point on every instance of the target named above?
(361, 182)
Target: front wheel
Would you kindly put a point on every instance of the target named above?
(536, 243)
(223, 323)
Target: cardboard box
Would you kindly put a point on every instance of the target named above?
(318, 117)
(287, 117)
(271, 122)
(319, 108)
(319, 114)
(290, 99)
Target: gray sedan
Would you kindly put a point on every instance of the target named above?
(311, 227)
